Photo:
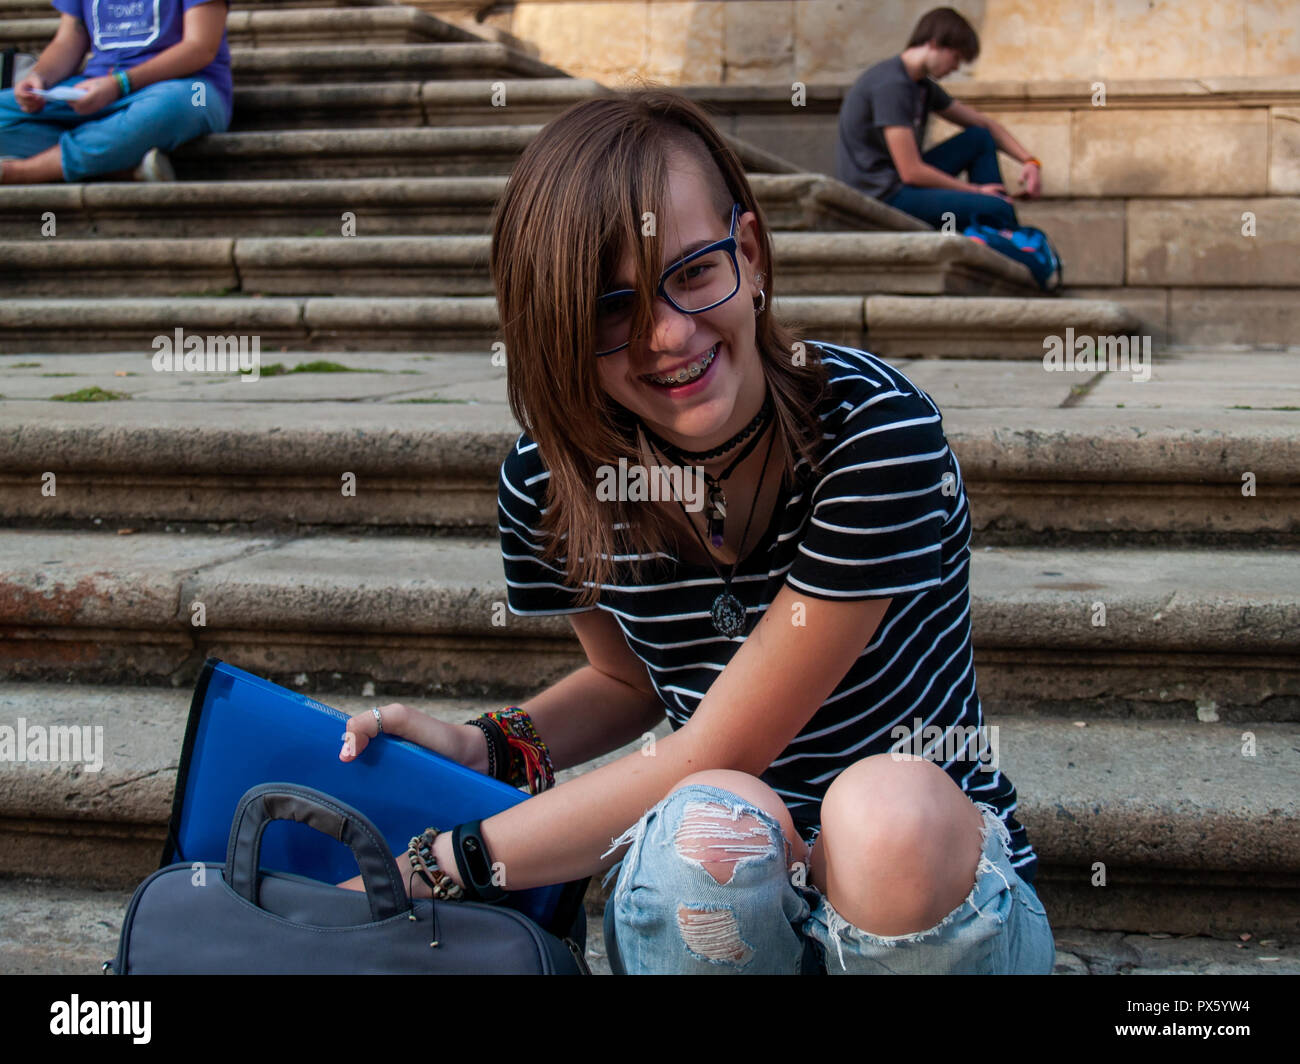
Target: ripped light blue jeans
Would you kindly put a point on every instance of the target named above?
(668, 914)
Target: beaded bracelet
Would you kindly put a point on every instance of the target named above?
(498, 752)
(530, 761)
(425, 865)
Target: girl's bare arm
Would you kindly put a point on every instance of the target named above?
(777, 680)
(596, 709)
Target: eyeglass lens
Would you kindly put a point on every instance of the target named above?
(701, 283)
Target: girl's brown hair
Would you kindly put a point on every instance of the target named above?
(576, 200)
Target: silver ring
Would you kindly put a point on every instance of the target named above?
(378, 719)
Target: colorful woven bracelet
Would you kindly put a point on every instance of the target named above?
(530, 761)
(123, 82)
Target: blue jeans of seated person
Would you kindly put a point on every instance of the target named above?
(668, 915)
(162, 115)
(974, 152)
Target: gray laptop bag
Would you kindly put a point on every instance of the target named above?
(234, 918)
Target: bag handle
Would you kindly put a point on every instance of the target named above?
(266, 802)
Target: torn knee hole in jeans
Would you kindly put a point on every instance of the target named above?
(712, 934)
(713, 835)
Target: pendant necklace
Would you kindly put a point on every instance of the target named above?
(728, 612)
(717, 497)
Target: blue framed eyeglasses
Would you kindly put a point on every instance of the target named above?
(702, 280)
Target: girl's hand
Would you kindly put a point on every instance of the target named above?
(363, 727)
(100, 93)
(24, 95)
(462, 743)
(414, 886)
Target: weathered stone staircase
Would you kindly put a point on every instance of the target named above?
(1160, 744)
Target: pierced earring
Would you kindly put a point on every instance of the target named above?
(762, 302)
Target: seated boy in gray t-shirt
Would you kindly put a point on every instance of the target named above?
(883, 96)
(882, 127)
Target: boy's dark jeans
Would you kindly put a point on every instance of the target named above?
(972, 151)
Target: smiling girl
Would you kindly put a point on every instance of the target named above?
(818, 602)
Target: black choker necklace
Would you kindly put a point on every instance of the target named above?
(728, 612)
(717, 497)
(682, 457)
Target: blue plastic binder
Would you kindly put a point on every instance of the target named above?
(244, 730)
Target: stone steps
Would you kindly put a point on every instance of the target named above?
(1201, 822)
(1125, 462)
(453, 151)
(811, 264)
(406, 206)
(407, 103)
(385, 25)
(99, 607)
(307, 64)
(281, 28)
(393, 206)
(946, 326)
(462, 151)
(55, 928)
(987, 327)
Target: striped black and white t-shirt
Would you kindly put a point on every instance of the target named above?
(886, 517)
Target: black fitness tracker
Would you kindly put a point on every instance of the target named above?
(474, 864)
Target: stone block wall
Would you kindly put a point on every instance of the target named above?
(767, 42)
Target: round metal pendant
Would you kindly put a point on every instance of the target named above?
(728, 614)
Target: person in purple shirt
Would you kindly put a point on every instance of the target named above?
(158, 76)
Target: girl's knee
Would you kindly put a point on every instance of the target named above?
(708, 887)
(741, 789)
(910, 796)
(914, 858)
(711, 821)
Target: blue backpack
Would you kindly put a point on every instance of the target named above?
(1026, 244)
